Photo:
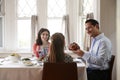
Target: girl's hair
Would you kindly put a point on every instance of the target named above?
(57, 48)
(38, 40)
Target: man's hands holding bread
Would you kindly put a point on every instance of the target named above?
(76, 49)
(74, 46)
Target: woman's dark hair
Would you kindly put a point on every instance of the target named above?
(92, 21)
(57, 48)
(38, 40)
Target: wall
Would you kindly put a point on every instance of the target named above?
(118, 39)
(108, 24)
(108, 20)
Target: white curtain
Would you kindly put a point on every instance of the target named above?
(87, 40)
(34, 28)
(65, 29)
(2, 7)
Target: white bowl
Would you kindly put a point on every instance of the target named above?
(14, 58)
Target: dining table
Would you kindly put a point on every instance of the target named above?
(10, 70)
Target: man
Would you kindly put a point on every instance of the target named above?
(99, 54)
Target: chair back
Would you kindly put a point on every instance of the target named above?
(111, 63)
(60, 71)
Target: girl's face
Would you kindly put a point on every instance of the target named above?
(44, 36)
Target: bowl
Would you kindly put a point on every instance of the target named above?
(14, 58)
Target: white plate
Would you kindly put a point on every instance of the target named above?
(28, 63)
(77, 60)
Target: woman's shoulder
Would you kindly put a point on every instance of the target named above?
(35, 45)
(68, 58)
(67, 55)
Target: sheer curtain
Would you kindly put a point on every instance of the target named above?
(34, 28)
(87, 40)
(2, 7)
(65, 30)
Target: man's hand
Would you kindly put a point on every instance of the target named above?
(76, 49)
(73, 46)
(78, 52)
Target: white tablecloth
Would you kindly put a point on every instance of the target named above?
(18, 71)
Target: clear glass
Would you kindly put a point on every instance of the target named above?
(56, 8)
(26, 8)
(54, 25)
(56, 11)
(87, 6)
(24, 34)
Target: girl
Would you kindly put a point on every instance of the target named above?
(40, 47)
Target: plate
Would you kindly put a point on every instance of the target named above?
(25, 59)
(77, 60)
(28, 63)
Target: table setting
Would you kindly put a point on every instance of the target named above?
(15, 60)
(30, 68)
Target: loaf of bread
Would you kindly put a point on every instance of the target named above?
(73, 46)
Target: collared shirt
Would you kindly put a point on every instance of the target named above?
(99, 53)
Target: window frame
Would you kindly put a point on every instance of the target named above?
(2, 33)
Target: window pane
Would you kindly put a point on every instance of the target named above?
(56, 8)
(26, 8)
(87, 6)
(54, 25)
(24, 34)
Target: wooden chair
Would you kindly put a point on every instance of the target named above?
(60, 71)
(111, 63)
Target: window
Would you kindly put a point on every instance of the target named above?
(86, 8)
(56, 11)
(18, 20)
(25, 9)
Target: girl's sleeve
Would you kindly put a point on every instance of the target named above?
(35, 50)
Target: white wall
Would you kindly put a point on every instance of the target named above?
(118, 39)
(108, 24)
(108, 20)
